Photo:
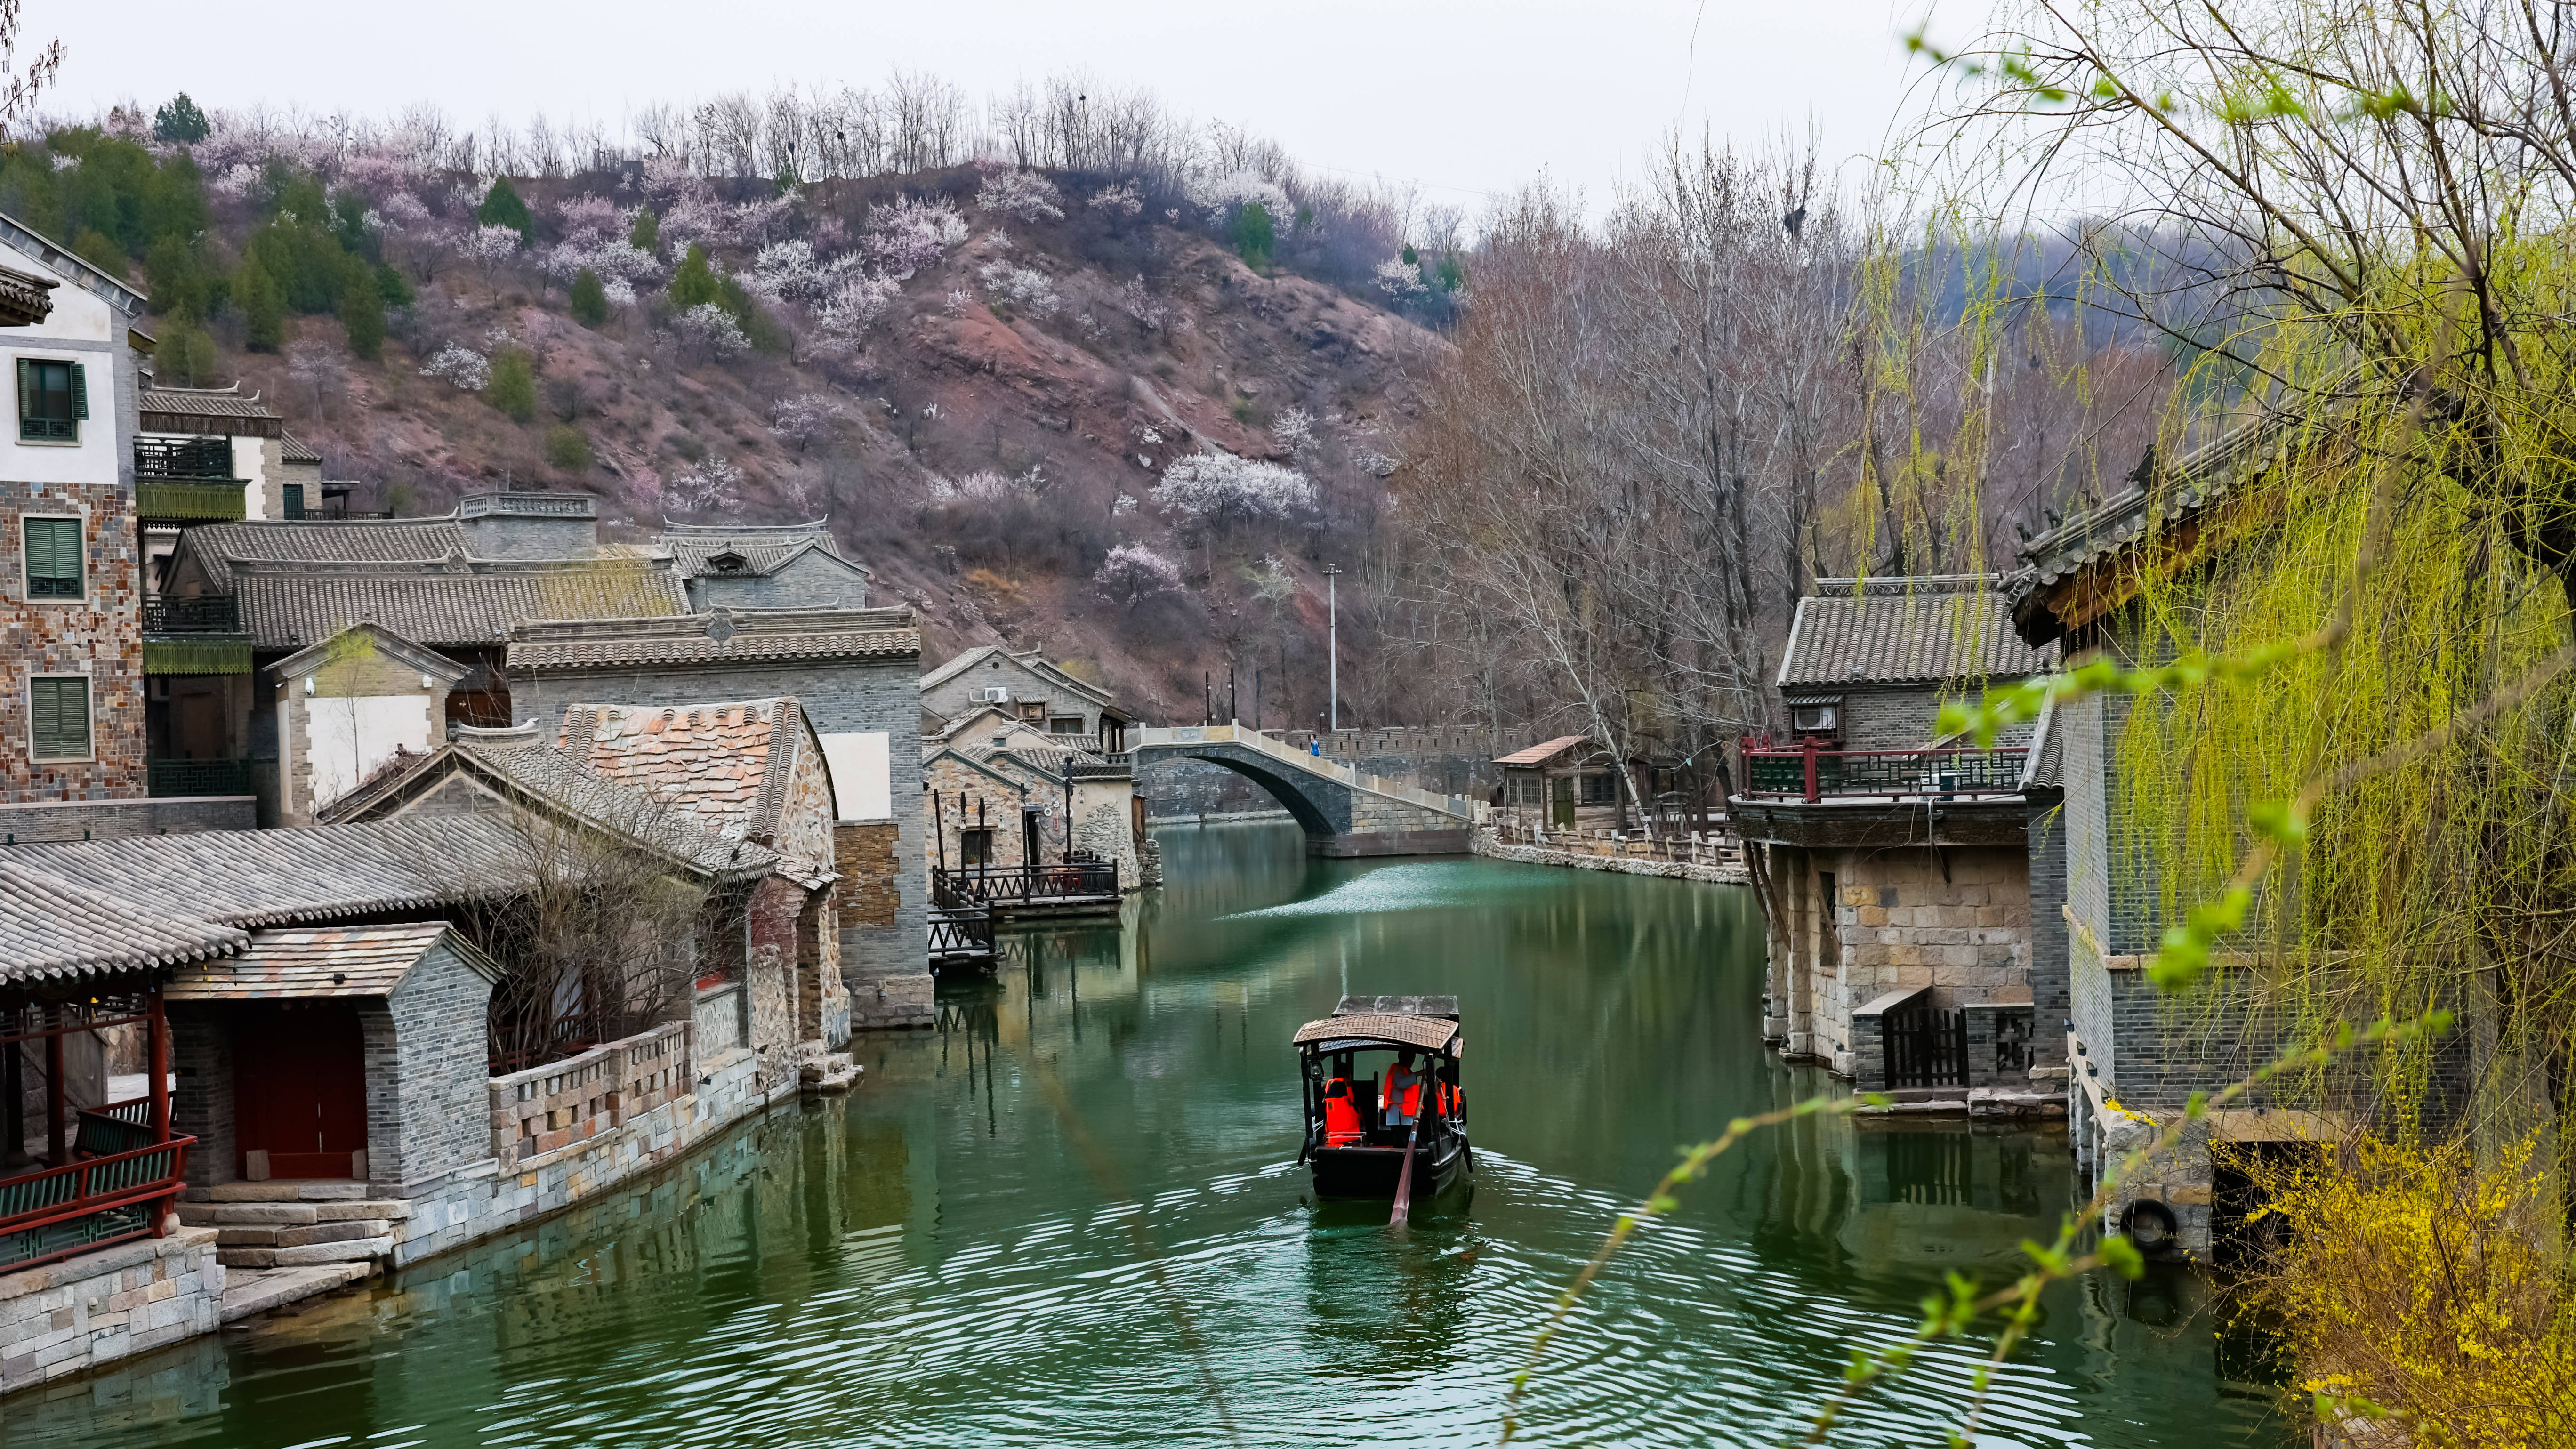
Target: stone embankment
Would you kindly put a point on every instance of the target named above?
(1701, 860)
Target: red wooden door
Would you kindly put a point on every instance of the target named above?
(300, 1087)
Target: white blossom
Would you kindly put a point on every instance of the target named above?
(711, 327)
(1023, 194)
(853, 305)
(1220, 195)
(1119, 200)
(1209, 487)
(1138, 302)
(235, 182)
(1295, 431)
(468, 369)
(712, 486)
(911, 234)
(491, 244)
(802, 419)
(1398, 278)
(1125, 505)
(789, 271)
(1133, 573)
(1032, 291)
(401, 210)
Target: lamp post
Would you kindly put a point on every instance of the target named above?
(1333, 641)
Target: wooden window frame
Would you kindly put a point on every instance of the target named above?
(26, 558)
(53, 432)
(89, 720)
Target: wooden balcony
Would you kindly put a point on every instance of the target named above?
(1008, 887)
(1815, 775)
(163, 501)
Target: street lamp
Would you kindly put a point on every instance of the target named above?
(1333, 640)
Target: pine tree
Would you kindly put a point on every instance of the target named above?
(186, 356)
(263, 306)
(589, 298)
(646, 234)
(362, 312)
(694, 284)
(513, 388)
(181, 121)
(502, 207)
(1253, 235)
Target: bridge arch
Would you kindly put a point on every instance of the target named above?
(1342, 811)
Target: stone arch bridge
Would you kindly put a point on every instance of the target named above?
(1344, 812)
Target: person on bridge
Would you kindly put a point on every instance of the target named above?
(1399, 1097)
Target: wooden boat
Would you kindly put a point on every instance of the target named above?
(1355, 1143)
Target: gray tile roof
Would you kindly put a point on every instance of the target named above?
(251, 878)
(1033, 660)
(222, 410)
(721, 636)
(25, 298)
(54, 926)
(213, 548)
(333, 961)
(2159, 496)
(549, 777)
(762, 550)
(292, 449)
(1906, 631)
(455, 603)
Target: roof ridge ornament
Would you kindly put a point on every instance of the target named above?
(720, 626)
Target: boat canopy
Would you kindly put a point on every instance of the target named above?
(1431, 1032)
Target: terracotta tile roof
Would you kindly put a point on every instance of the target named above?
(1540, 754)
(722, 636)
(458, 602)
(1906, 631)
(335, 961)
(52, 925)
(724, 766)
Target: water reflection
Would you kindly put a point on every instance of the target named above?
(1071, 1214)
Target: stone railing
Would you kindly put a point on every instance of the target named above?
(1323, 765)
(556, 1105)
(1691, 847)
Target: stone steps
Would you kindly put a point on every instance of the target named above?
(830, 1076)
(268, 1233)
(293, 1190)
(257, 1291)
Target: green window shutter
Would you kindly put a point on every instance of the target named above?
(80, 390)
(28, 424)
(54, 558)
(60, 727)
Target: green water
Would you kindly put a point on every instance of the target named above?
(1072, 1216)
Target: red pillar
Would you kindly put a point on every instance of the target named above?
(156, 1058)
(57, 1154)
(1812, 796)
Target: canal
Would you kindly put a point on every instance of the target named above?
(1072, 1216)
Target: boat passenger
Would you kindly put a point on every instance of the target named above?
(1341, 1114)
(1400, 1097)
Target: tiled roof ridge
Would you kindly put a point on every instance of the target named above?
(1886, 585)
(119, 933)
(744, 621)
(785, 738)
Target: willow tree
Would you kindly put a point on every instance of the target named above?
(2360, 217)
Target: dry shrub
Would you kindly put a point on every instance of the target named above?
(2431, 1287)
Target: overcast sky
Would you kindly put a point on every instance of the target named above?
(1463, 100)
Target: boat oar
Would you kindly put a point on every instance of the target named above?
(1404, 1179)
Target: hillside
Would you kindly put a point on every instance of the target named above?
(981, 375)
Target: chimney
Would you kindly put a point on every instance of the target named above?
(529, 525)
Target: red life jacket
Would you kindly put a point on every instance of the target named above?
(1412, 1104)
(1341, 1114)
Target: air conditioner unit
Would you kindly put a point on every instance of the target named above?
(997, 694)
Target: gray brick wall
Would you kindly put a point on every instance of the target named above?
(2051, 1005)
(29, 824)
(840, 697)
(201, 1053)
(440, 1116)
(1885, 718)
(811, 582)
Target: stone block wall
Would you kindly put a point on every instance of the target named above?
(769, 983)
(201, 1056)
(98, 636)
(954, 780)
(1178, 789)
(64, 1318)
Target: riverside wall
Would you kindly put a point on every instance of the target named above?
(1487, 841)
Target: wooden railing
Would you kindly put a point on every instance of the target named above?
(192, 614)
(197, 777)
(93, 1202)
(553, 1106)
(194, 458)
(972, 886)
(1812, 774)
(964, 934)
